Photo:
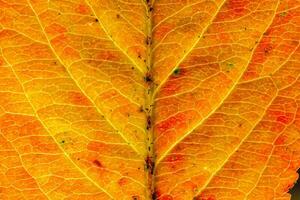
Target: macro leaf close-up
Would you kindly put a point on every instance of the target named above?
(149, 99)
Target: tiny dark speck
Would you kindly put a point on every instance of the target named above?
(118, 16)
(96, 20)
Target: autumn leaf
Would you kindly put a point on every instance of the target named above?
(149, 99)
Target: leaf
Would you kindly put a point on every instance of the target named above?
(160, 99)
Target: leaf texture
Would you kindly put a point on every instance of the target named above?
(154, 99)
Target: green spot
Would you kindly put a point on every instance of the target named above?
(176, 72)
(283, 14)
(229, 66)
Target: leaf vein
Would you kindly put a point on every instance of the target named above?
(76, 83)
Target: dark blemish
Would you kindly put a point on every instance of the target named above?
(135, 197)
(245, 28)
(154, 195)
(148, 78)
(96, 20)
(149, 148)
(267, 50)
(148, 123)
(78, 158)
(97, 163)
(63, 141)
(139, 56)
(148, 40)
(132, 68)
(144, 61)
(59, 13)
(229, 67)
(176, 72)
(141, 109)
(240, 125)
(149, 164)
(266, 33)
(150, 9)
(118, 16)
(128, 114)
(55, 63)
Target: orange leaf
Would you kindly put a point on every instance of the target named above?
(149, 99)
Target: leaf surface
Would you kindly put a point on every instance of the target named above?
(161, 99)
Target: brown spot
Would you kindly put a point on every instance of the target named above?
(148, 40)
(135, 197)
(118, 16)
(149, 164)
(97, 163)
(139, 56)
(149, 123)
(154, 196)
(148, 78)
(268, 49)
(141, 109)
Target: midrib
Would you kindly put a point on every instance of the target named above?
(149, 104)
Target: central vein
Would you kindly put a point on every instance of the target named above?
(149, 104)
